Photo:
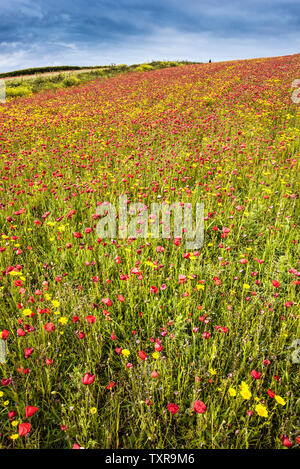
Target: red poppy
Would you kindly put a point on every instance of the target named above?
(49, 327)
(91, 319)
(28, 352)
(217, 281)
(88, 379)
(271, 393)
(4, 334)
(107, 301)
(173, 408)
(142, 355)
(6, 381)
(255, 374)
(286, 442)
(275, 283)
(199, 407)
(30, 410)
(24, 428)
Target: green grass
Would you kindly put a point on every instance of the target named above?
(226, 135)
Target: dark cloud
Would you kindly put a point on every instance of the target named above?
(33, 31)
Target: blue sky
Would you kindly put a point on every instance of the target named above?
(94, 32)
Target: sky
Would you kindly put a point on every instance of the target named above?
(37, 33)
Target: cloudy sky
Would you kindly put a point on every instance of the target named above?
(97, 32)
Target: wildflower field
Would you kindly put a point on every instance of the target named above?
(141, 343)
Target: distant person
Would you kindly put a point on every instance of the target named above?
(209, 61)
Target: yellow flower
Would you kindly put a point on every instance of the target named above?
(63, 320)
(1, 393)
(27, 312)
(14, 273)
(55, 303)
(261, 410)
(212, 371)
(125, 352)
(280, 400)
(93, 410)
(15, 423)
(6, 402)
(155, 355)
(47, 296)
(15, 436)
(232, 392)
(245, 391)
(246, 394)
(246, 286)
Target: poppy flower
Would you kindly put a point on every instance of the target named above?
(271, 393)
(173, 408)
(28, 352)
(6, 381)
(91, 319)
(199, 407)
(142, 355)
(275, 283)
(286, 442)
(255, 374)
(30, 410)
(24, 428)
(4, 334)
(107, 301)
(217, 281)
(88, 379)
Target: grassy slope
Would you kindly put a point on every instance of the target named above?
(224, 134)
(37, 80)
